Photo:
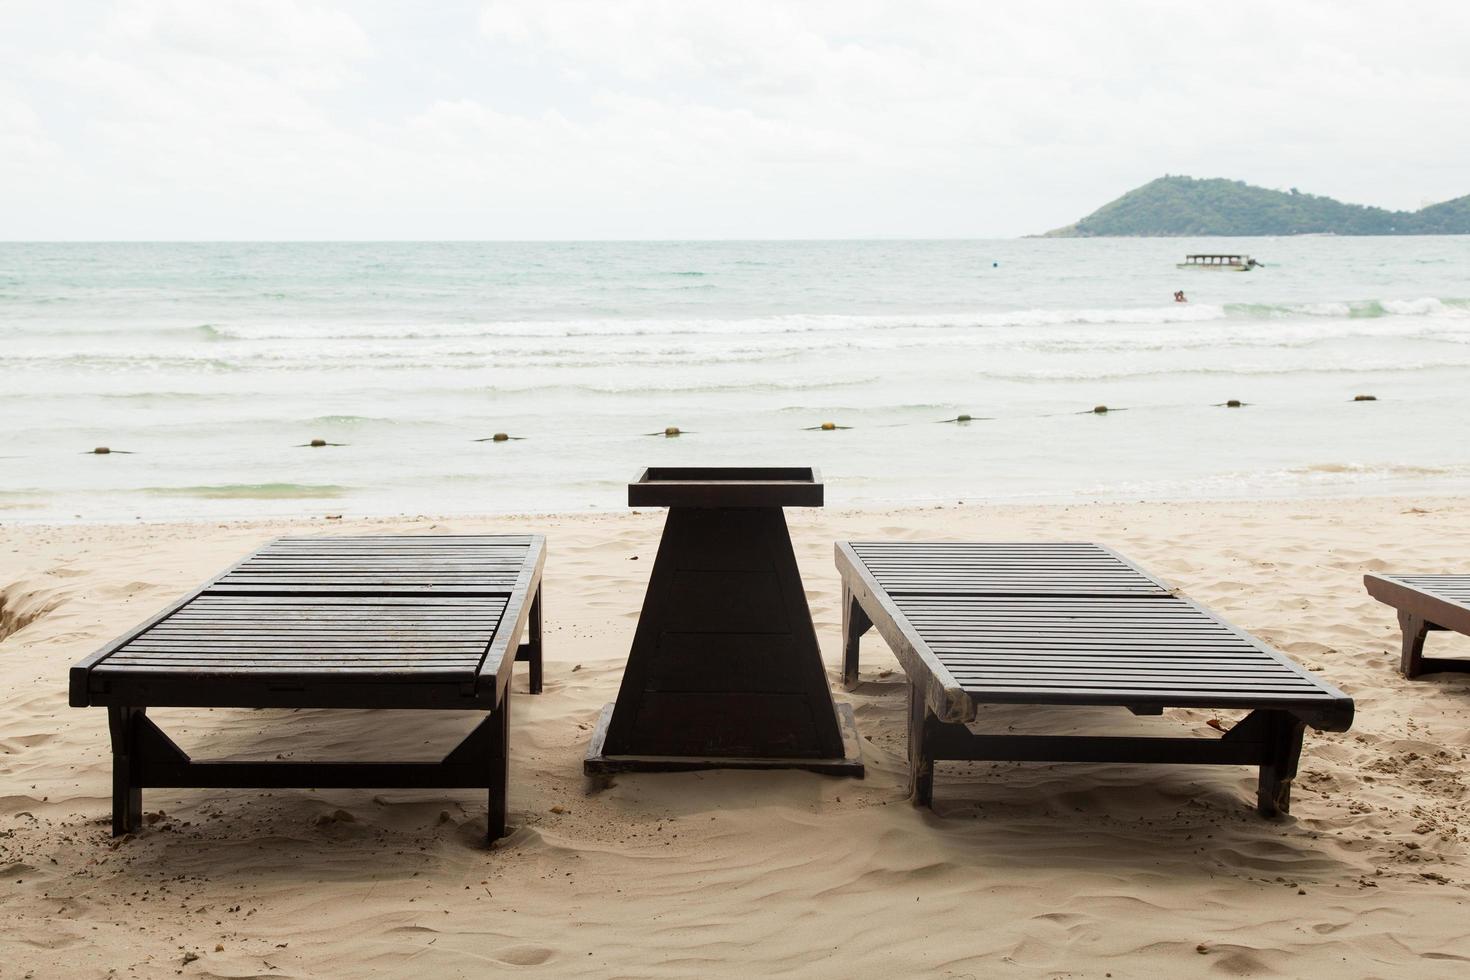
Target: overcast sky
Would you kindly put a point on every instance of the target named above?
(267, 119)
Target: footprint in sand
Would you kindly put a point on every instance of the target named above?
(128, 589)
(523, 955)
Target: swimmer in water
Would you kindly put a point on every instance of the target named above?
(1179, 296)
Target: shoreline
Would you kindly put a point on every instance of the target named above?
(11, 520)
(1130, 869)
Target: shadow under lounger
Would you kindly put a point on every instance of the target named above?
(1424, 603)
(1070, 625)
(402, 621)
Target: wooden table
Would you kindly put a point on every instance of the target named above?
(725, 671)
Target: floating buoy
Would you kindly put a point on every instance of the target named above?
(826, 427)
(1233, 403)
(829, 426)
(317, 443)
(1365, 398)
(104, 451)
(671, 431)
(962, 418)
(500, 437)
(101, 451)
(968, 418)
(1100, 410)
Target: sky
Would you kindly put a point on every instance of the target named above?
(676, 119)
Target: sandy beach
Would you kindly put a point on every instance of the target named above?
(1025, 870)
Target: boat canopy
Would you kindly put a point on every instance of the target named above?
(1236, 261)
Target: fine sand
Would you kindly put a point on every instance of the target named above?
(1021, 870)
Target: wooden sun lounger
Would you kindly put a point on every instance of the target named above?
(1070, 624)
(1424, 603)
(329, 622)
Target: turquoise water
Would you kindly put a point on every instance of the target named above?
(212, 365)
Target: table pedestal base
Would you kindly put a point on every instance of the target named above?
(725, 671)
(598, 763)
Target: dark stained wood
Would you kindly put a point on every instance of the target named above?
(609, 764)
(727, 486)
(365, 622)
(425, 639)
(127, 783)
(153, 759)
(924, 726)
(725, 670)
(461, 564)
(855, 623)
(530, 651)
(1064, 625)
(1425, 603)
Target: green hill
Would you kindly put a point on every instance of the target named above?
(1177, 206)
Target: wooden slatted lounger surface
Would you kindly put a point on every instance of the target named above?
(1424, 603)
(1070, 624)
(329, 622)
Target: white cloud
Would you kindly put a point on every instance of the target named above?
(309, 44)
(28, 154)
(688, 118)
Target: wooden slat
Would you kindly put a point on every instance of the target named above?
(440, 564)
(1452, 588)
(1060, 623)
(939, 569)
(1054, 638)
(274, 614)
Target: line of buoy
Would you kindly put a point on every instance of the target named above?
(673, 431)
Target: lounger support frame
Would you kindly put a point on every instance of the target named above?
(1271, 740)
(940, 710)
(1424, 603)
(144, 756)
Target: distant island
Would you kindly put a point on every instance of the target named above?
(1177, 206)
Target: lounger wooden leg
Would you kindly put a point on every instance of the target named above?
(1283, 749)
(921, 755)
(535, 642)
(498, 760)
(127, 784)
(855, 623)
(1411, 662)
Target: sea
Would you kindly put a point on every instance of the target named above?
(209, 368)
